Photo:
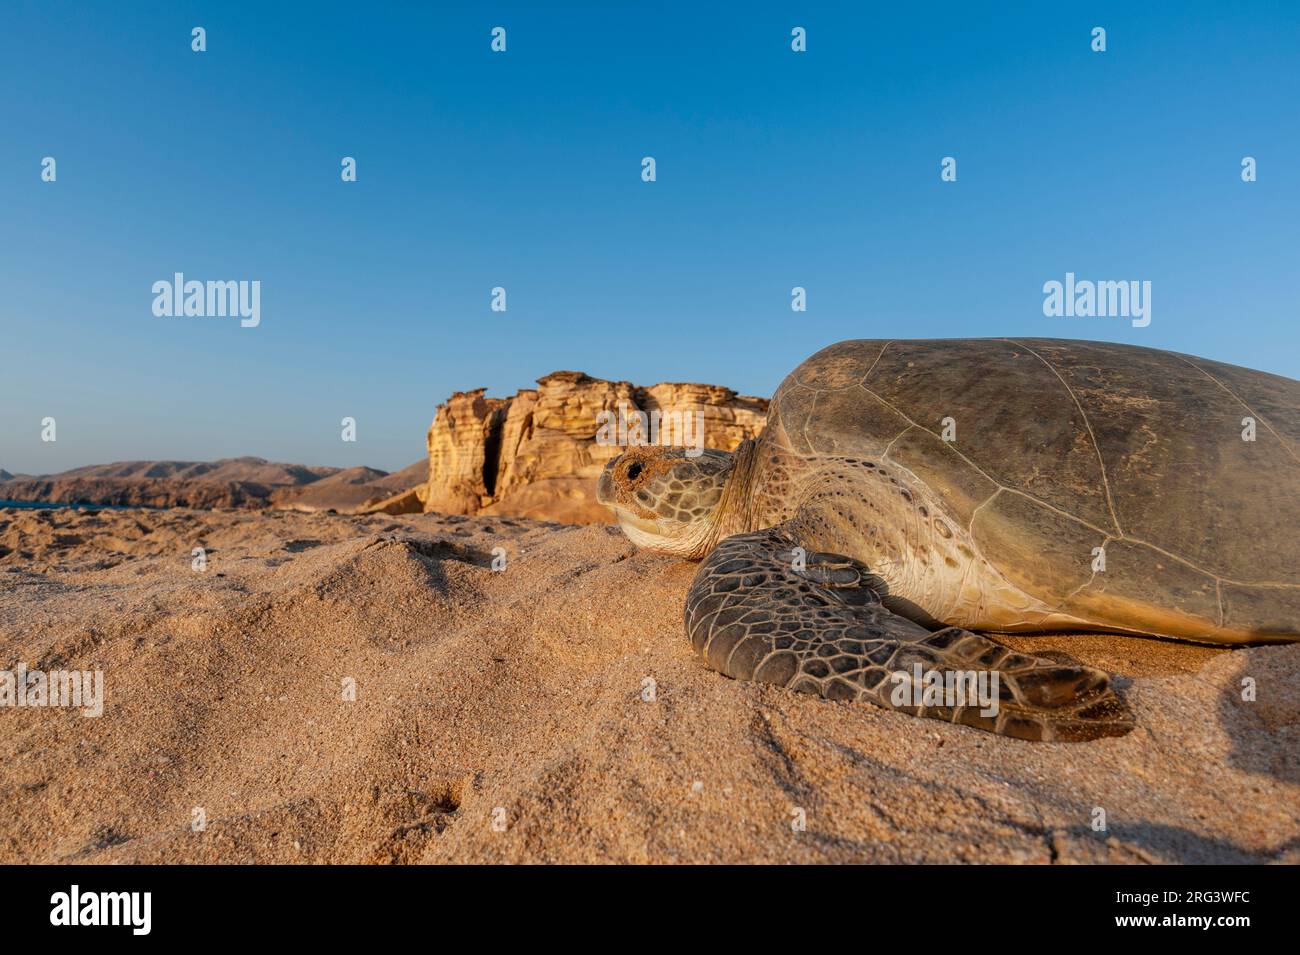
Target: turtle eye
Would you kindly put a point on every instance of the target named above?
(634, 470)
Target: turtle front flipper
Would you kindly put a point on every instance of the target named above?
(762, 609)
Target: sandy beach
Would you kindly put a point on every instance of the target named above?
(549, 711)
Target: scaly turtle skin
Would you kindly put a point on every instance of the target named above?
(906, 493)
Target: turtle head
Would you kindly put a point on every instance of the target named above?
(667, 498)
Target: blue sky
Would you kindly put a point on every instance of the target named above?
(522, 170)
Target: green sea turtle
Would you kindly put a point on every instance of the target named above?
(906, 493)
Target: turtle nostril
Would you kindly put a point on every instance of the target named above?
(633, 470)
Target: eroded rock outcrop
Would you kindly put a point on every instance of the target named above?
(536, 454)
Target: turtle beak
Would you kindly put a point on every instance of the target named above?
(605, 486)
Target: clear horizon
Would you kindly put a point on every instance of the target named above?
(523, 170)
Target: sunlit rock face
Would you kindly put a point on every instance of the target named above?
(538, 454)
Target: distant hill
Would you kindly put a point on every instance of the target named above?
(352, 488)
(227, 483)
(256, 470)
(405, 479)
(351, 476)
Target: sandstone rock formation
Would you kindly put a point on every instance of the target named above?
(536, 454)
